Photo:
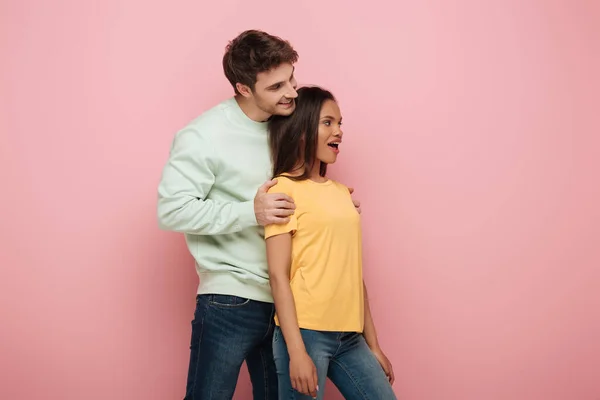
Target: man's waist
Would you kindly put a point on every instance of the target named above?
(239, 283)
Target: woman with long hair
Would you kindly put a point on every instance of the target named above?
(324, 327)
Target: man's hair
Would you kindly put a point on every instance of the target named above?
(253, 52)
(293, 139)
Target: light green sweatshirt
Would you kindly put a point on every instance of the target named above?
(216, 164)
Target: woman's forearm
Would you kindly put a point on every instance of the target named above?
(369, 332)
(279, 256)
(286, 314)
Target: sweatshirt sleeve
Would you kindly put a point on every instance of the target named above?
(186, 180)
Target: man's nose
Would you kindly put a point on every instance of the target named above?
(292, 93)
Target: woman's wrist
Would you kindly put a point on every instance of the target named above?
(373, 343)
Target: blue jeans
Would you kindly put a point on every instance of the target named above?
(344, 358)
(226, 331)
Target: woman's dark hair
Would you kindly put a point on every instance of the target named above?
(293, 139)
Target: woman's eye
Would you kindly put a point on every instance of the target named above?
(327, 123)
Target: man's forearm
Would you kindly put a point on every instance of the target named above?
(204, 217)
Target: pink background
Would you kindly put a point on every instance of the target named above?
(471, 139)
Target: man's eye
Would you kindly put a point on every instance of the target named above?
(276, 87)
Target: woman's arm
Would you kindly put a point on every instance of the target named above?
(279, 257)
(370, 334)
(302, 370)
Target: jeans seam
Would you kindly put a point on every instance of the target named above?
(265, 373)
(270, 325)
(262, 356)
(352, 379)
(199, 349)
(339, 345)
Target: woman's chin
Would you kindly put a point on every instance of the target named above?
(328, 159)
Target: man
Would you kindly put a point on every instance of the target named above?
(208, 191)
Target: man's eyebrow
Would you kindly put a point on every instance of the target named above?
(281, 82)
(275, 84)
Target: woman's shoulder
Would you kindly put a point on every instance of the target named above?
(340, 185)
(283, 184)
(285, 179)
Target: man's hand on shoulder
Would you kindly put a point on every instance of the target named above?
(272, 208)
(356, 202)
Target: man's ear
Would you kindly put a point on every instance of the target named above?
(244, 90)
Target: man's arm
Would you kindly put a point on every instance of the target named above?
(187, 179)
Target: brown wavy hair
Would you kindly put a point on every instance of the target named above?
(253, 52)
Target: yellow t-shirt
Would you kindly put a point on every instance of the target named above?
(326, 269)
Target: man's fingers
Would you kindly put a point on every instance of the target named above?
(284, 204)
(351, 190)
(282, 197)
(282, 212)
(279, 220)
(357, 206)
(267, 185)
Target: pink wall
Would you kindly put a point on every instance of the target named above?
(470, 138)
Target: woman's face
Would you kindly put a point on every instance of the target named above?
(330, 132)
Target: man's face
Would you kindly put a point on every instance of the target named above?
(275, 90)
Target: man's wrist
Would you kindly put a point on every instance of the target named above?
(247, 217)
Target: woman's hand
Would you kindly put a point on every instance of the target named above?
(304, 374)
(385, 364)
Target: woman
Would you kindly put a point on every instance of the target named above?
(324, 325)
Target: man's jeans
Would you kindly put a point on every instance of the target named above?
(227, 330)
(343, 357)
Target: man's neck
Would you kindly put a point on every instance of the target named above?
(251, 110)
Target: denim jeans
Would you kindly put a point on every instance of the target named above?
(226, 331)
(344, 358)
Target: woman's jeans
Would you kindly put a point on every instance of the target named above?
(344, 358)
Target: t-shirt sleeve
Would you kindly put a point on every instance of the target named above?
(284, 186)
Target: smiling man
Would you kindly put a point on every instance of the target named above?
(208, 191)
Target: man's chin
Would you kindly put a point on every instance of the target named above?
(284, 111)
